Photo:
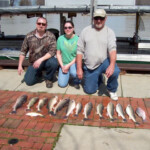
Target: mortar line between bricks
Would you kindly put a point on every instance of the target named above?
(146, 108)
(121, 86)
(65, 91)
(84, 124)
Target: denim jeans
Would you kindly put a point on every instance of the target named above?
(93, 78)
(63, 78)
(32, 75)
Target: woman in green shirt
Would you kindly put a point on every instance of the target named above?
(66, 55)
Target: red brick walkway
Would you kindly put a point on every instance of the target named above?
(42, 133)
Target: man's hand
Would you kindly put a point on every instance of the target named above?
(80, 73)
(110, 70)
(111, 67)
(79, 66)
(20, 70)
(37, 63)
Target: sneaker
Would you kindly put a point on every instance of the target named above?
(49, 84)
(113, 95)
(77, 86)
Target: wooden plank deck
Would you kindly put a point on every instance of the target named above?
(122, 66)
(12, 63)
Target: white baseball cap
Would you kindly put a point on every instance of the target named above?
(99, 13)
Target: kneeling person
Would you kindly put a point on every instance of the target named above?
(66, 55)
(41, 45)
(97, 45)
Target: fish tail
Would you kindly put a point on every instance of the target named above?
(112, 120)
(54, 114)
(124, 120)
(51, 113)
(65, 117)
(137, 123)
(13, 112)
(85, 119)
(144, 121)
(101, 117)
(28, 109)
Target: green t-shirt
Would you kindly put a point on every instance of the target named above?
(68, 48)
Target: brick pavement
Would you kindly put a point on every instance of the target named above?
(41, 133)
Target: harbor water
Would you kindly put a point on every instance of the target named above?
(123, 25)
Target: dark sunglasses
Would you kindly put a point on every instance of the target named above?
(39, 23)
(99, 18)
(67, 28)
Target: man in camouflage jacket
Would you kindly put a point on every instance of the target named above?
(41, 46)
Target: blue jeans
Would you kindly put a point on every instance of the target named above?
(32, 75)
(63, 78)
(93, 78)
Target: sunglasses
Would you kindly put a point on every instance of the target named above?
(99, 18)
(68, 28)
(39, 23)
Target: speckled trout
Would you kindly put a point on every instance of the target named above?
(87, 110)
(19, 102)
(51, 104)
(100, 109)
(110, 111)
(41, 103)
(71, 107)
(131, 114)
(120, 112)
(60, 105)
(78, 108)
(31, 103)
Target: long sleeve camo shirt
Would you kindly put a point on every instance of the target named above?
(38, 47)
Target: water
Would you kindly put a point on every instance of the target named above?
(123, 25)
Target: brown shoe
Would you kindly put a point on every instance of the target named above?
(77, 86)
(49, 84)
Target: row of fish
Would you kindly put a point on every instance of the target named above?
(119, 109)
(78, 107)
(51, 103)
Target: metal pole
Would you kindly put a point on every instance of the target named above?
(62, 21)
(0, 25)
(137, 23)
(92, 8)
